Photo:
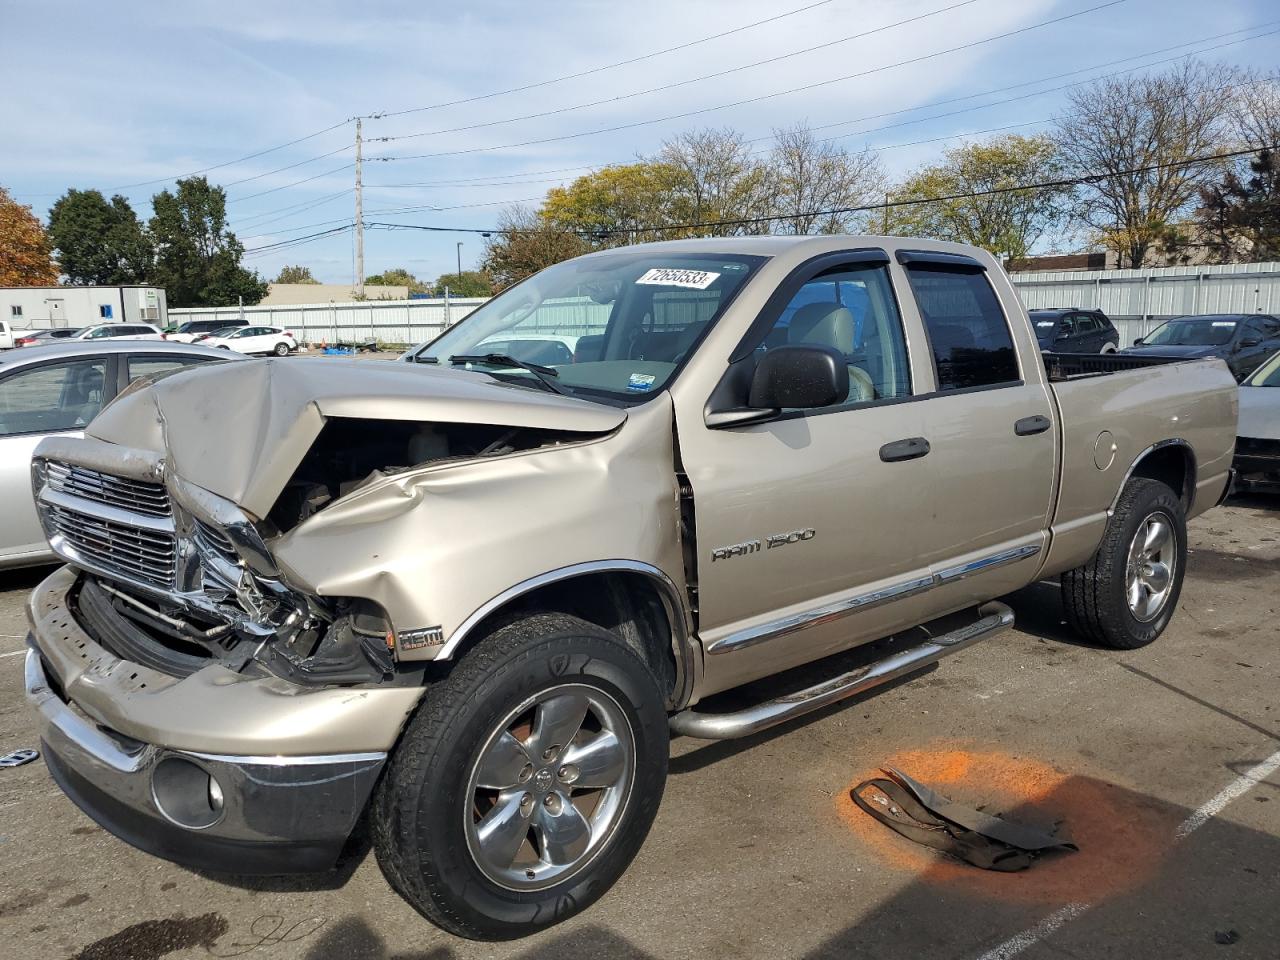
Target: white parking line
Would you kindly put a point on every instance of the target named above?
(16, 653)
(1235, 789)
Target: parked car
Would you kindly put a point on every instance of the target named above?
(1243, 340)
(42, 338)
(1257, 460)
(192, 330)
(118, 331)
(56, 391)
(1072, 330)
(261, 340)
(9, 335)
(474, 596)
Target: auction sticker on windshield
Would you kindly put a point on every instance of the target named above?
(674, 277)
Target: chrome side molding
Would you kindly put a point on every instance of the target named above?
(994, 617)
(784, 626)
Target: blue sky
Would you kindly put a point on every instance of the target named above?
(112, 94)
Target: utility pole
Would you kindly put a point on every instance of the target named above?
(359, 219)
(459, 263)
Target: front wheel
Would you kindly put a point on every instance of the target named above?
(526, 782)
(1125, 595)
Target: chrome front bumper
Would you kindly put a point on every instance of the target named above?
(146, 755)
(260, 815)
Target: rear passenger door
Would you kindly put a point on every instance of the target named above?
(989, 425)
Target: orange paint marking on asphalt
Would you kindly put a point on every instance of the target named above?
(1122, 835)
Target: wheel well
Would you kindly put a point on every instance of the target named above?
(630, 605)
(1174, 466)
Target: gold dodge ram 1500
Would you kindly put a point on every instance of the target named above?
(470, 595)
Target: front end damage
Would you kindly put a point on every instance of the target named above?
(224, 664)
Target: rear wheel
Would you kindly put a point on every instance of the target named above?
(526, 782)
(282, 349)
(1125, 595)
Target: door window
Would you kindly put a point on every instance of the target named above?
(51, 397)
(968, 333)
(852, 309)
(155, 366)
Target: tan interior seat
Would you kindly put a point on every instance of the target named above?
(831, 325)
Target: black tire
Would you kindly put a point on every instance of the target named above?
(420, 806)
(1094, 596)
(281, 349)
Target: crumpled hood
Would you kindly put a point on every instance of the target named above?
(1174, 350)
(1259, 413)
(240, 429)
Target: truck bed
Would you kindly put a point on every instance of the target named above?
(1073, 366)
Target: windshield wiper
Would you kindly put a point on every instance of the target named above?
(544, 374)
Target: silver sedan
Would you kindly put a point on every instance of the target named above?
(57, 390)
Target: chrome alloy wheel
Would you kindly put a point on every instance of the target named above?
(1149, 574)
(550, 787)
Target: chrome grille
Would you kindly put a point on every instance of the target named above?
(140, 496)
(215, 538)
(129, 550)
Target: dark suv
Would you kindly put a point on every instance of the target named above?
(1072, 330)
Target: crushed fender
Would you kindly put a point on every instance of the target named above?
(913, 810)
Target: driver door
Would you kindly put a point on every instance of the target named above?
(807, 526)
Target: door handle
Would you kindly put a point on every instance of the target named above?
(912, 448)
(1028, 426)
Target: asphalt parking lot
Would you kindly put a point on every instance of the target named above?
(1156, 759)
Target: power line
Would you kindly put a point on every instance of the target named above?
(600, 69)
(300, 163)
(297, 207)
(682, 83)
(763, 97)
(295, 183)
(296, 241)
(888, 204)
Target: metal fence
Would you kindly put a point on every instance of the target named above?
(387, 321)
(1137, 301)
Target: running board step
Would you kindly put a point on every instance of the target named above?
(994, 617)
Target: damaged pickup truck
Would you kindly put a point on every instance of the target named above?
(468, 596)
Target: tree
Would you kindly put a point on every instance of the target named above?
(524, 244)
(398, 277)
(197, 257)
(470, 283)
(1007, 224)
(1239, 217)
(806, 175)
(1153, 124)
(26, 254)
(295, 275)
(719, 179)
(616, 203)
(99, 242)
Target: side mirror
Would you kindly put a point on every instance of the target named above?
(799, 376)
(1138, 342)
(1249, 342)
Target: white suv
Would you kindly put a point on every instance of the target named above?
(119, 331)
(254, 340)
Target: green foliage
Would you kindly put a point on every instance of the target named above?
(1007, 224)
(397, 277)
(197, 259)
(617, 201)
(1240, 215)
(470, 283)
(99, 242)
(295, 275)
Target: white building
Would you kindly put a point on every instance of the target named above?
(40, 308)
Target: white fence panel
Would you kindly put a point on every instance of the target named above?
(387, 321)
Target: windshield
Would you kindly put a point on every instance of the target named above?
(1197, 332)
(614, 325)
(1044, 324)
(1268, 374)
